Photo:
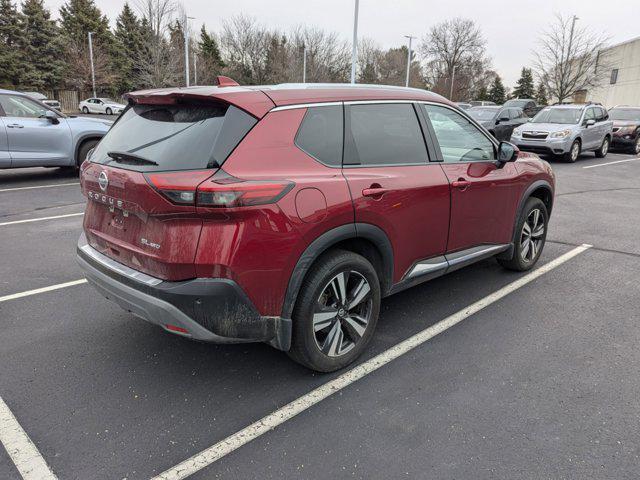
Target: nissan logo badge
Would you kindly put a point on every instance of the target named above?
(103, 181)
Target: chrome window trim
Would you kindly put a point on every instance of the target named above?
(305, 105)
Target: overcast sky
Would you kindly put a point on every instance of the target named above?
(509, 26)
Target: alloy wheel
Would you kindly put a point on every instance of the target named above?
(575, 151)
(605, 147)
(637, 146)
(532, 235)
(342, 313)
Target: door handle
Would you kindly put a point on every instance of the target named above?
(15, 125)
(461, 183)
(374, 192)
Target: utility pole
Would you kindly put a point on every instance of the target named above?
(406, 83)
(185, 29)
(354, 51)
(304, 64)
(453, 78)
(195, 68)
(567, 64)
(93, 72)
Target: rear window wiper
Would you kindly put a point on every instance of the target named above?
(126, 157)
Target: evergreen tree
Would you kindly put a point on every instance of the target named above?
(524, 86)
(77, 19)
(482, 93)
(129, 39)
(43, 47)
(12, 40)
(497, 92)
(541, 95)
(209, 48)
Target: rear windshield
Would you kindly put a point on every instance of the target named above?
(173, 137)
(558, 115)
(630, 114)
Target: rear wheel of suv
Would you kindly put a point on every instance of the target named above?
(604, 148)
(531, 236)
(336, 311)
(636, 145)
(574, 152)
(84, 150)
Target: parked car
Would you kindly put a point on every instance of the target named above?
(500, 121)
(566, 130)
(285, 214)
(55, 104)
(464, 105)
(528, 105)
(101, 105)
(33, 134)
(626, 128)
(481, 103)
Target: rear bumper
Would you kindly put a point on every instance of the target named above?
(623, 141)
(210, 309)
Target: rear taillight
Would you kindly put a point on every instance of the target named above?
(221, 191)
(178, 187)
(224, 191)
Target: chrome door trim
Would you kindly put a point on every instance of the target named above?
(305, 105)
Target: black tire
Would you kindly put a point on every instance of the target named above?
(571, 156)
(522, 257)
(604, 148)
(635, 149)
(108, 111)
(84, 150)
(319, 294)
(85, 110)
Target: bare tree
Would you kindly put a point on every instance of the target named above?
(327, 55)
(244, 44)
(158, 64)
(454, 51)
(568, 58)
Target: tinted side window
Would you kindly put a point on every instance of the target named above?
(321, 133)
(459, 139)
(384, 134)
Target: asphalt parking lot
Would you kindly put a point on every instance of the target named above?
(539, 383)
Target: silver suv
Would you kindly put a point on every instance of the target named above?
(566, 130)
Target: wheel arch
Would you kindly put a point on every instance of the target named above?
(365, 239)
(81, 141)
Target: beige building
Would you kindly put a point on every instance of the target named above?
(623, 84)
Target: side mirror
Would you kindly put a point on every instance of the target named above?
(507, 152)
(590, 123)
(502, 119)
(52, 117)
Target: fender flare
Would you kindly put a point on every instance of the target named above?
(325, 241)
(527, 193)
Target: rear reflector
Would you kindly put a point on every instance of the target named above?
(173, 328)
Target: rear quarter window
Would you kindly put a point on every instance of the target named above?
(321, 134)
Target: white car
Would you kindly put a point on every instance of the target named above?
(101, 105)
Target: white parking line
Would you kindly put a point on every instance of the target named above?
(611, 163)
(265, 424)
(21, 449)
(39, 219)
(50, 288)
(15, 189)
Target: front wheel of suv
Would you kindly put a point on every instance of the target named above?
(604, 148)
(574, 152)
(336, 311)
(530, 238)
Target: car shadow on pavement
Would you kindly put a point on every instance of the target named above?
(14, 176)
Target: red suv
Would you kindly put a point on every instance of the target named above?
(284, 214)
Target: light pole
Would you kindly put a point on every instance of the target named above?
(186, 47)
(453, 78)
(406, 83)
(195, 67)
(93, 73)
(304, 64)
(354, 51)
